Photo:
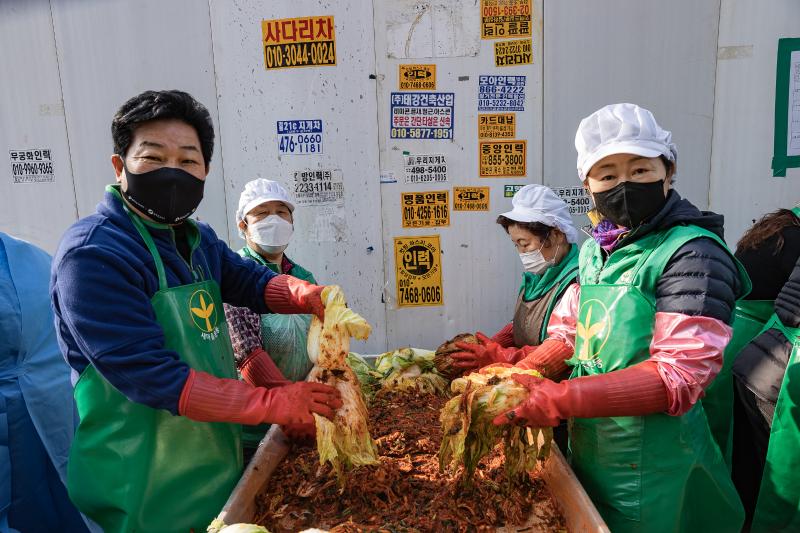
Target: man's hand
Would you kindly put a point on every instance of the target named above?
(296, 404)
(300, 432)
(288, 295)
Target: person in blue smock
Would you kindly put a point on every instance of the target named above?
(37, 414)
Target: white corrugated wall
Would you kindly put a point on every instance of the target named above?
(705, 68)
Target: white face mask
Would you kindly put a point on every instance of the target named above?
(534, 262)
(271, 234)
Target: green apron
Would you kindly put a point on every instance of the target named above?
(654, 473)
(134, 468)
(538, 297)
(778, 506)
(285, 339)
(748, 320)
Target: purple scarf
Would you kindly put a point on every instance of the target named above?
(608, 235)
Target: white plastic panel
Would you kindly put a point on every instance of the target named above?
(112, 50)
(481, 270)
(742, 186)
(660, 55)
(32, 117)
(253, 99)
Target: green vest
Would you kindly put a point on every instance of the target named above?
(137, 469)
(654, 473)
(749, 318)
(778, 506)
(538, 296)
(285, 339)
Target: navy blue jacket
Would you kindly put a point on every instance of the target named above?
(102, 280)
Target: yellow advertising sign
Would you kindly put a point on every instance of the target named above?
(510, 53)
(497, 126)
(425, 209)
(298, 42)
(417, 77)
(418, 269)
(470, 198)
(498, 159)
(505, 19)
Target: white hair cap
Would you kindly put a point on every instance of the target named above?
(620, 129)
(537, 203)
(258, 191)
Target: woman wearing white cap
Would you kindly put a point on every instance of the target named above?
(646, 330)
(265, 220)
(541, 229)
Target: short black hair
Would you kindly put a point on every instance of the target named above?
(162, 105)
(542, 231)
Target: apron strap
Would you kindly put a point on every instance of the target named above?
(149, 243)
(792, 334)
(254, 256)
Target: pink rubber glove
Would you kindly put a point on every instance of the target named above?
(549, 358)
(632, 391)
(476, 356)
(207, 398)
(288, 295)
(259, 370)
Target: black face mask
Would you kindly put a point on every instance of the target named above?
(167, 195)
(630, 203)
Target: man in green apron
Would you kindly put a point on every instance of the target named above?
(137, 289)
(649, 327)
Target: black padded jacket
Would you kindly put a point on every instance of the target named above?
(761, 364)
(701, 278)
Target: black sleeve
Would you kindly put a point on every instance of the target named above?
(700, 279)
(790, 252)
(787, 303)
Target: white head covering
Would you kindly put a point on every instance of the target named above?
(537, 203)
(620, 129)
(257, 192)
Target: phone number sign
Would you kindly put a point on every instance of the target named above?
(505, 18)
(422, 115)
(33, 165)
(318, 187)
(298, 42)
(502, 159)
(299, 137)
(470, 198)
(425, 168)
(497, 126)
(418, 271)
(425, 209)
(501, 93)
(576, 198)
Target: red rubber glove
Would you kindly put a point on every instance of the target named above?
(288, 295)
(477, 356)
(505, 337)
(632, 391)
(207, 398)
(300, 432)
(259, 370)
(549, 358)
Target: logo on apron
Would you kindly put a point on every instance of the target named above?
(594, 328)
(204, 314)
